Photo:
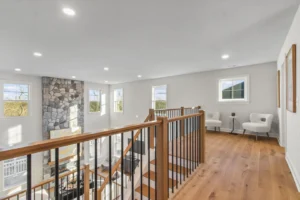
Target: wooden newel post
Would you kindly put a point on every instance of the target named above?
(152, 118)
(162, 159)
(87, 182)
(202, 136)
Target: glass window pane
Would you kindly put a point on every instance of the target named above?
(160, 93)
(226, 85)
(238, 94)
(238, 85)
(10, 88)
(22, 88)
(226, 94)
(160, 104)
(95, 106)
(9, 95)
(15, 108)
(22, 96)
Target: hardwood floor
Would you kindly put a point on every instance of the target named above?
(239, 168)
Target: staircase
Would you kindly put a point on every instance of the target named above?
(172, 143)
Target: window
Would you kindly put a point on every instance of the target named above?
(16, 100)
(95, 100)
(117, 145)
(233, 89)
(14, 172)
(118, 100)
(159, 97)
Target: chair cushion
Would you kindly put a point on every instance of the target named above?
(256, 127)
(213, 122)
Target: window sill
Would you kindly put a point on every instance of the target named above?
(234, 102)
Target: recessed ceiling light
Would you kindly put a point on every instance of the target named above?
(225, 56)
(106, 68)
(139, 76)
(73, 76)
(69, 11)
(17, 69)
(106, 81)
(37, 54)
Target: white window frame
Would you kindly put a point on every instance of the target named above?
(114, 101)
(14, 161)
(100, 100)
(2, 82)
(246, 89)
(152, 96)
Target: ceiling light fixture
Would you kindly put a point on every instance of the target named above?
(17, 69)
(225, 56)
(37, 54)
(106, 81)
(139, 76)
(73, 77)
(69, 11)
(106, 68)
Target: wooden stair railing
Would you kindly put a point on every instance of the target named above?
(116, 166)
(161, 145)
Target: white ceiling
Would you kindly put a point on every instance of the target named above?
(154, 38)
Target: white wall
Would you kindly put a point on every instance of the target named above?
(30, 127)
(202, 89)
(293, 119)
(96, 121)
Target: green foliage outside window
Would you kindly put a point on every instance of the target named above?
(15, 108)
(160, 104)
(119, 106)
(95, 106)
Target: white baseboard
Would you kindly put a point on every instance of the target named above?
(294, 172)
(240, 131)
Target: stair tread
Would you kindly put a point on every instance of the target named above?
(152, 177)
(183, 169)
(145, 191)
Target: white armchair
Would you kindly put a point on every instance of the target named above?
(212, 119)
(259, 123)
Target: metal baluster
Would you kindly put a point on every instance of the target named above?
(95, 169)
(149, 163)
(60, 188)
(155, 162)
(187, 148)
(56, 193)
(28, 194)
(78, 171)
(73, 186)
(122, 166)
(42, 188)
(176, 124)
(192, 144)
(109, 168)
(172, 126)
(132, 166)
(67, 186)
(48, 191)
(190, 132)
(180, 154)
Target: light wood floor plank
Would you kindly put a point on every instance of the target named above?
(239, 168)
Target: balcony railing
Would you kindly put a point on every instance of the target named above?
(161, 153)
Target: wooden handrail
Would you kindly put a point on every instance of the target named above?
(69, 140)
(184, 117)
(116, 166)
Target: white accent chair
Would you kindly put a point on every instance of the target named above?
(212, 119)
(259, 123)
